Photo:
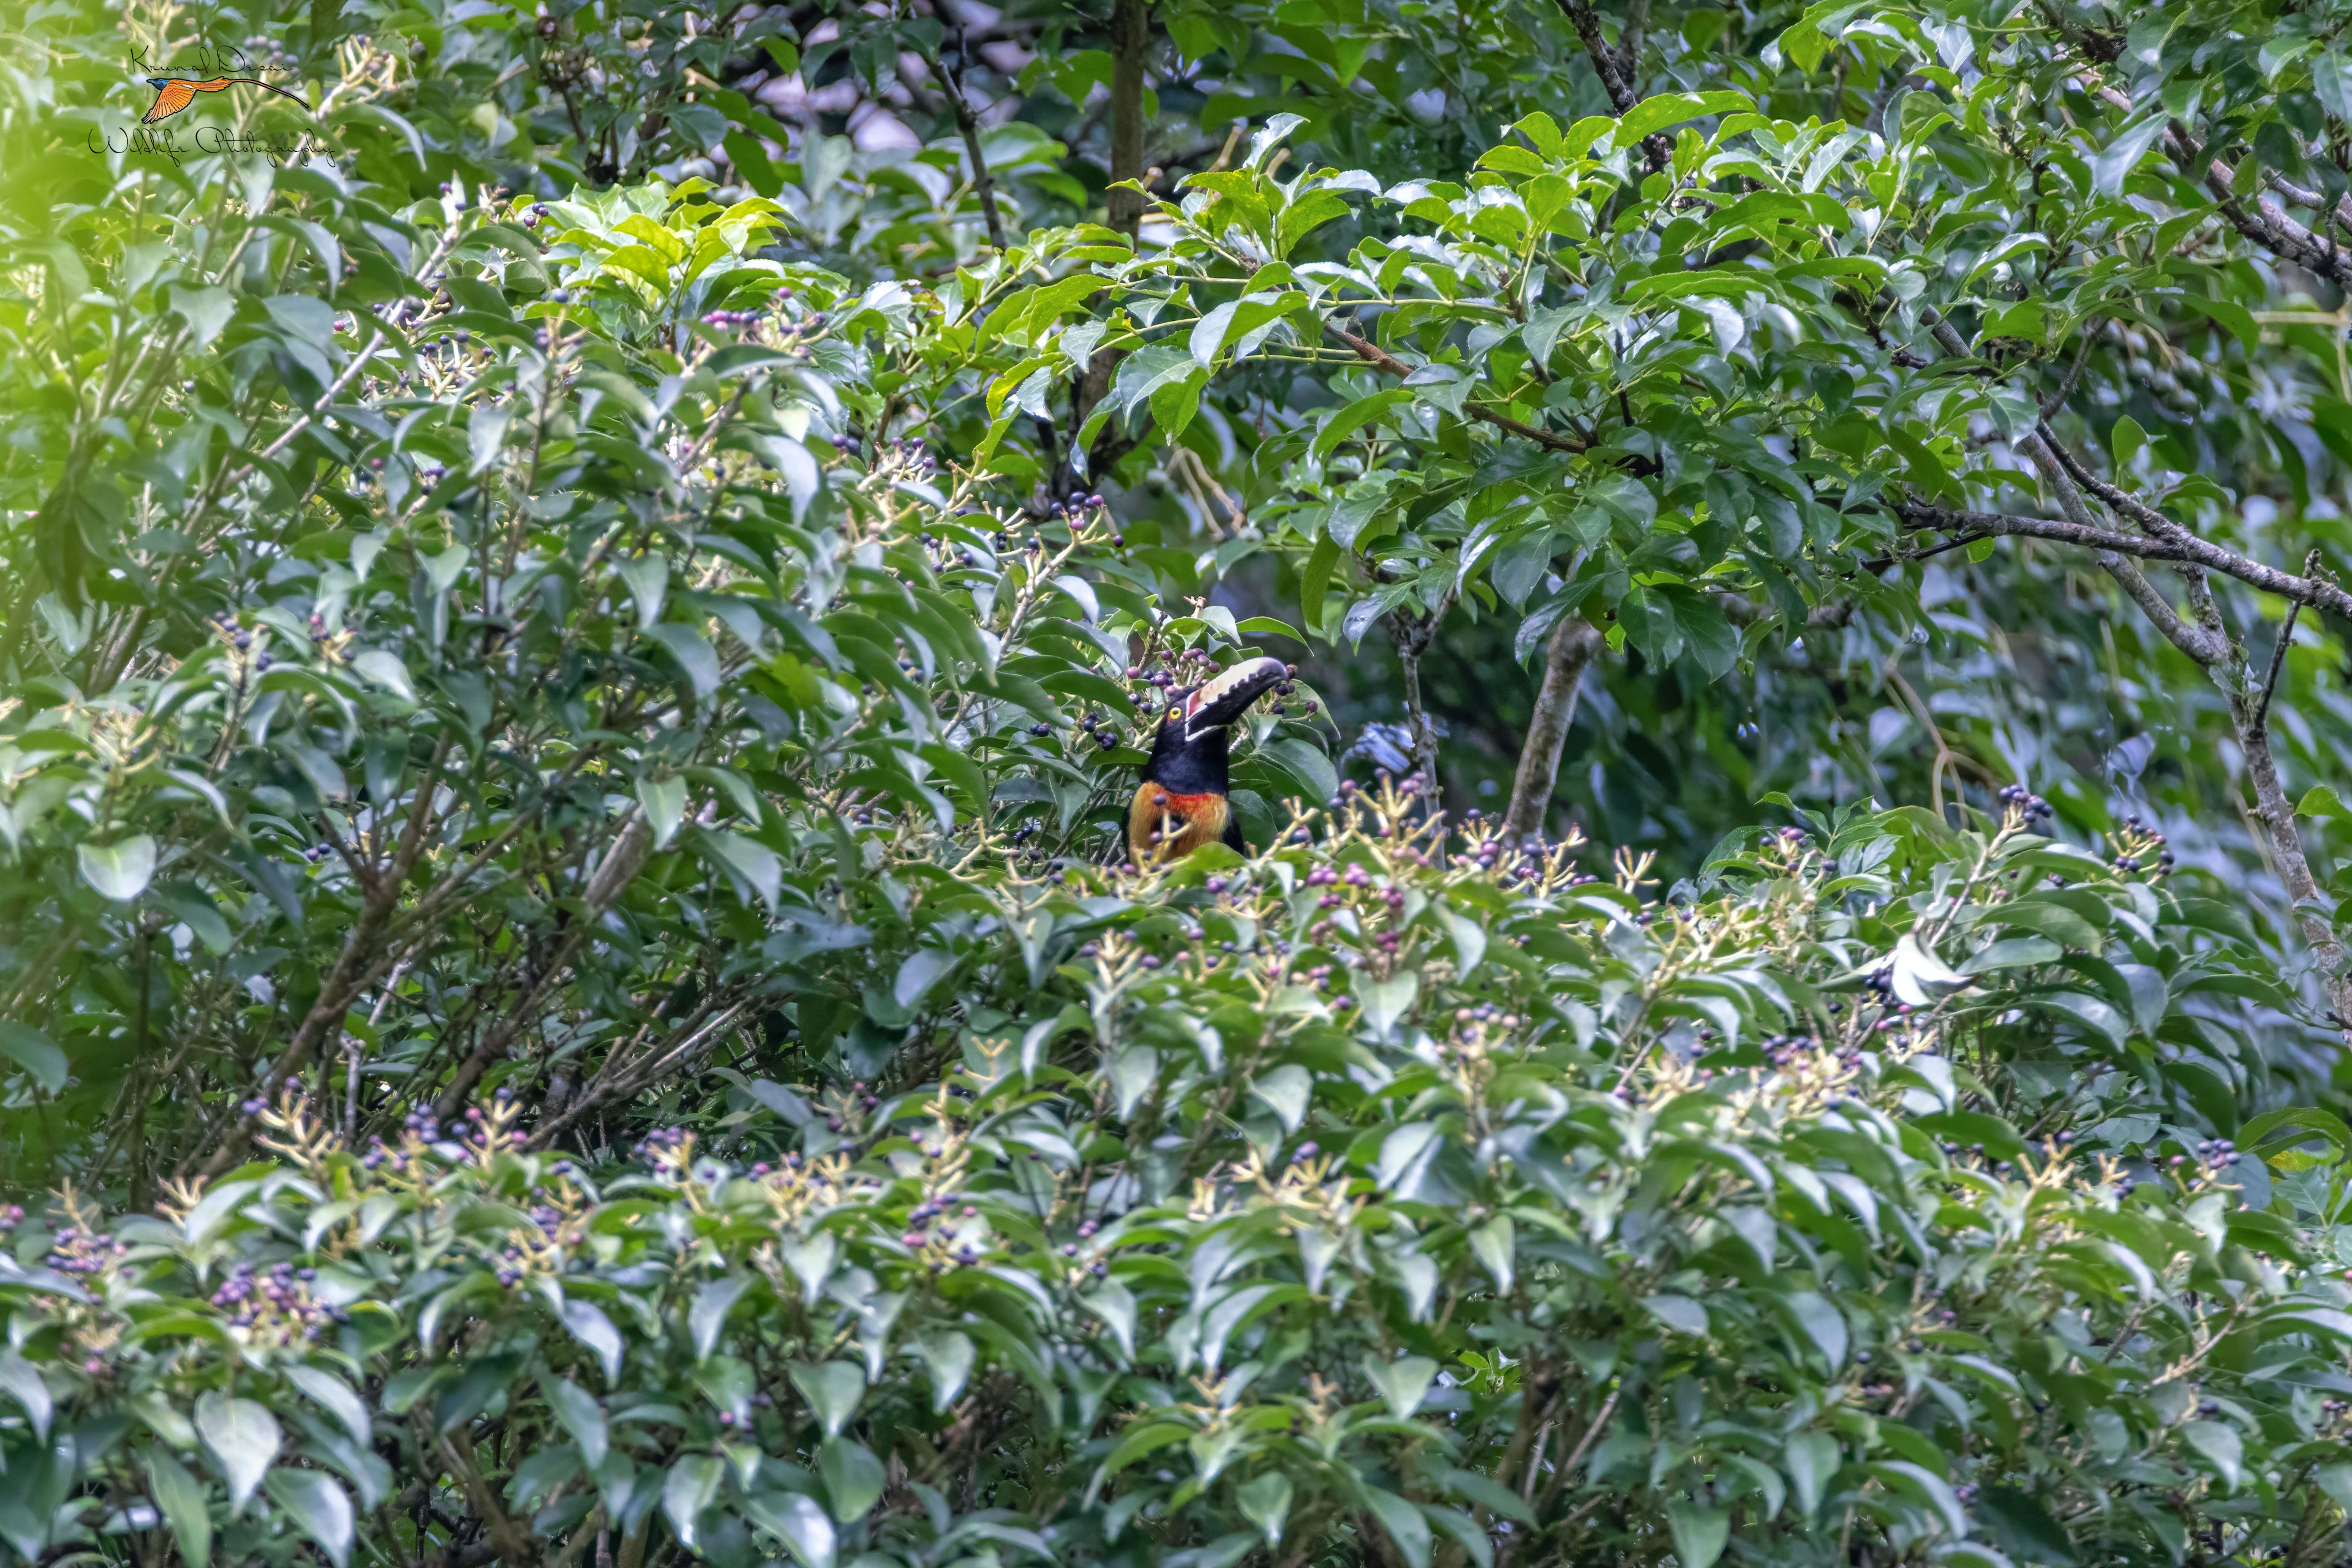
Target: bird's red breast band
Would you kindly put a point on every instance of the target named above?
(1195, 820)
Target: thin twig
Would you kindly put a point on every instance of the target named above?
(968, 125)
(2278, 652)
(1374, 355)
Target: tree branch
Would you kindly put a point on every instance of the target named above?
(1413, 636)
(1374, 355)
(2207, 647)
(2316, 592)
(2125, 505)
(364, 956)
(1618, 67)
(2276, 812)
(968, 125)
(2278, 650)
(1572, 647)
(2266, 224)
(1130, 36)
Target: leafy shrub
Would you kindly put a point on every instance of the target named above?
(563, 985)
(1385, 1192)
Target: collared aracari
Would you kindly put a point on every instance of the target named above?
(1184, 799)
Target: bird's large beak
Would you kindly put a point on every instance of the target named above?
(1226, 696)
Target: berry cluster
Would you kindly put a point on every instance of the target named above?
(420, 1126)
(670, 1143)
(2028, 805)
(76, 1251)
(239, 637)
(914, 457)
(1785, 1050)
(2137, 844)
(279, 1301)
(2214, 1153)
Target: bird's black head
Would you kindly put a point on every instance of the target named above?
(1188, 754)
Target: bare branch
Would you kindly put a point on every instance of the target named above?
(2207, 647)
(1572, 647)
(2125, 505)
(2319, 593)
(2277, 814)
(2266, 222)
(968, 125)
(2278, 652)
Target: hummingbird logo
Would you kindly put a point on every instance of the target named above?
(174, 94)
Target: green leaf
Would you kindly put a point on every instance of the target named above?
(2093, 1012)
(1402, 1384)
(2021, 1526)
(36, 1054)
(2110, 167)
(2126, 442)
(335, 1396)
(582, 1417)
(207, 311)
(853, 1478)
(319, 1508)
(796, 1520)
(121, 871)
(1264, 1501)
(1820, 1322)
(592, 1328)
(691, 1486)
(1305, 761)
(664, 801)
(1385, 1002)
(1673, 108)
(185, 1509)
(2321, 800)
(949, 1353)
(1285, 1091)
(242, 1437)
(1493, 1245)
(1404, 1524)
(2218, 1443)
(21, 1381)
(2331, 82)
(386, 670)
(1811, 1459)
(833, 1390)
(1679, 1313)
(712, 1302)
(1363, 411)
(1699, 1533)
(693, 653)
(486, 434)
(1485, 1492)
(2232, 316)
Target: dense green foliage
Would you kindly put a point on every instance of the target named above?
(581, 607)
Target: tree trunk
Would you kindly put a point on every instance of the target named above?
(1131, 33)
(1572, 649)
(1130, 36)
